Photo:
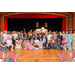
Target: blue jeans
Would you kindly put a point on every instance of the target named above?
(53, 46)
(59, 47)
(4, 48)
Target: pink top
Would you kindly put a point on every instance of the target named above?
(64, 41)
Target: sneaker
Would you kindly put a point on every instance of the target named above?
(12, 49)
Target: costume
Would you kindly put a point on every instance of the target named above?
(69, 40)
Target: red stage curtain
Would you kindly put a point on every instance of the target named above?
(64, 24)
(34, 16)
(5, 24)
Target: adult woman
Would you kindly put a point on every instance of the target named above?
(63, 34)
(3, 45)
(36, 44)
(13, 42)
(69, 40)
(40, 43)
(28, 45)
(48, 45)
(24, 42)
(9, 43)
(53, 42)
(74, 40)
(59, 43)
(64, 44)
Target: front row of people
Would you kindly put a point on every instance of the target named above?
(33, 44)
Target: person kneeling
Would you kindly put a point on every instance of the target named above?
(48, 45)
(3, 45)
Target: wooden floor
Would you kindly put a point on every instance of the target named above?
(40, 55)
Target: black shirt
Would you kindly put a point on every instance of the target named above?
(13, 42)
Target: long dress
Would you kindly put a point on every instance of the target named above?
(69, 40)
(73, 41)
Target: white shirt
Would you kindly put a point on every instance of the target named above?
(15, 35)
(49, 37)
(37, 41)
(9, 42)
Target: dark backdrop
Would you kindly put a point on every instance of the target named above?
(15, 24)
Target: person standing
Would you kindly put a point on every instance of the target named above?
(74, 40)
(49, 37)
(24, 31)
(69, 40)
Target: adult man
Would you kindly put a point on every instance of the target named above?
(24, 31)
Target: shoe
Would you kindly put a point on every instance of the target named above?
(36, 48)
(12, 49)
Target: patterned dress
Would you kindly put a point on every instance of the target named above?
(73, 41)
(69, 40)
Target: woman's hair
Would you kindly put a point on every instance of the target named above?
(13, 37)
(3, 40)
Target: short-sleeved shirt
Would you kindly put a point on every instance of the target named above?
(9, 42)
(49, 37)
(32, 41)
(37, 41)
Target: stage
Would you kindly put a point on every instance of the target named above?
(39, 55)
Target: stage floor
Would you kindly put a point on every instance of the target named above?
(39, 55)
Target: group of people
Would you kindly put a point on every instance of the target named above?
(33, 40)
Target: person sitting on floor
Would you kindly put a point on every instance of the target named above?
(53, 42)
(40, 43)
(18, 44)
(3, 45)
(13, 42)
(36, 44)
(48, 45)
(44, 41)
(59, 43)
(28, 45)
(9, 44)
(24, 42)
(32, 41)
(64, 44)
